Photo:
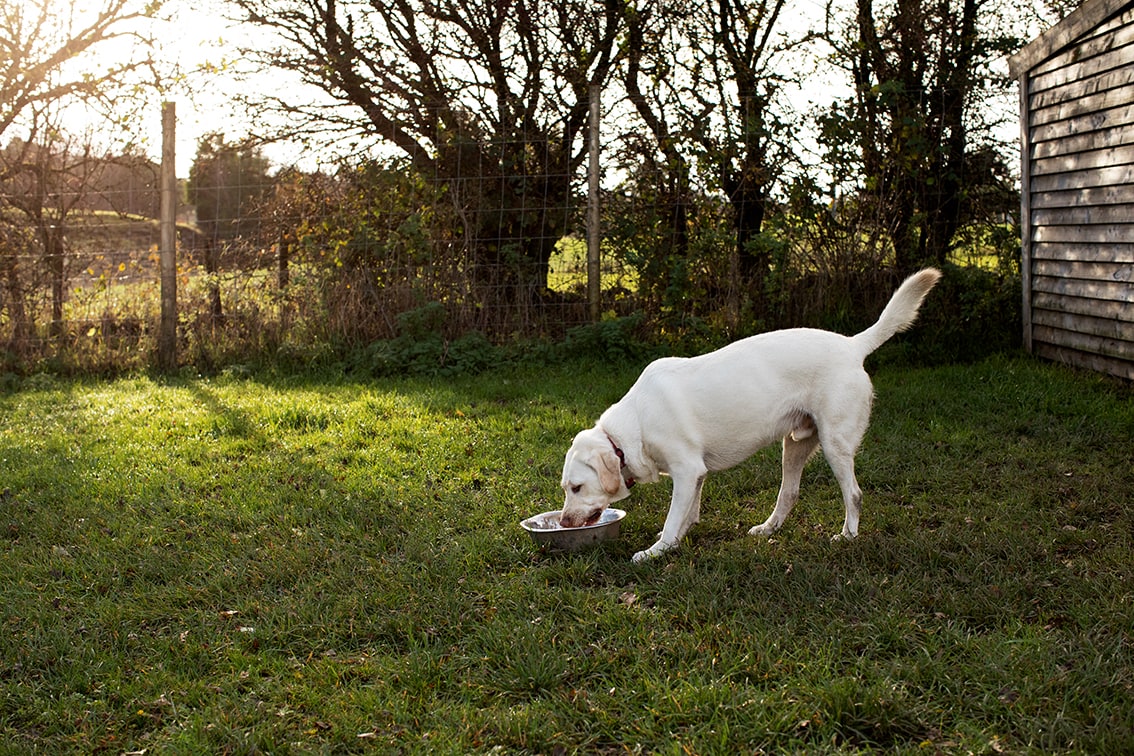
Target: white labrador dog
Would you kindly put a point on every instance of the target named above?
(686, 417)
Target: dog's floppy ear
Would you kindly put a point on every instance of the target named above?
(609, 468)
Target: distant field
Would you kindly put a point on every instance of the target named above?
(320, 565)
(569, 269)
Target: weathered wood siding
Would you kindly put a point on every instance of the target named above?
(1077, 122)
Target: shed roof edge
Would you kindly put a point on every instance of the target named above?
(1084, 18)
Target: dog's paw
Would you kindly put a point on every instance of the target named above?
(654, 551)
(838, 537)
(763, 530)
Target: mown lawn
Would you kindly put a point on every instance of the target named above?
(297, 565)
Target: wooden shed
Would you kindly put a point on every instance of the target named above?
(1077, 140)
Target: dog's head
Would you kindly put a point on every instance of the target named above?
(592, 479)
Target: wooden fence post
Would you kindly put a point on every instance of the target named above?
(167, 334)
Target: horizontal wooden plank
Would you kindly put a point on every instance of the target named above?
(1116, 136)
(1085, 214)
(1084, 342)
(1085, 360)
(1111, 253)
(1094, 85)
(1076, 88)
(1086, 56)
(1087, 271)
(1126, 18)
(1113, 291)
(1118, 117)
(1092, 53)
(1105, 234)
(1080, 23)
(1088, 160)
(1098, 41)
(1113, 176)
(1042, 300)
(1079, 100)
(1087, 325)
(1103, 195)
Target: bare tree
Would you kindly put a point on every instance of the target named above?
(707, 78)
(15, 242)
(654, 32)
(42, 173)
(41, 40)
(490, 98)
(751, 143)
(52, 180)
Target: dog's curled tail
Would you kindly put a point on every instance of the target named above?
(900, 312)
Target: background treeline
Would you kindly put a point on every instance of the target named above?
(451, 227)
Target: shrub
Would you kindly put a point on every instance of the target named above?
(421, 348)
(971, 314)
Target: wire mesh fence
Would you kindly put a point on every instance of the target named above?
(313, 265)
(738, 193)
(290, 260)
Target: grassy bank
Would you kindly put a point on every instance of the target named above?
(304, 565)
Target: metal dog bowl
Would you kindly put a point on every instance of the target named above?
(546, 531)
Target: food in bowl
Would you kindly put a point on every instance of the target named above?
(546, 531)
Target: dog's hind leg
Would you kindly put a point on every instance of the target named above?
(796, 454)
(841, 460)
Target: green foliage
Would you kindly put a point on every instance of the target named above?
(374, 216)
(971, 314)
(682, 272)
(615, 341)
(421, 348)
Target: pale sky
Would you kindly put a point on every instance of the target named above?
(198, 38)
(194, 35)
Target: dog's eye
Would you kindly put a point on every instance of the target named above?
(576, 489)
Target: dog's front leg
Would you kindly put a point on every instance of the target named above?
(684, 512)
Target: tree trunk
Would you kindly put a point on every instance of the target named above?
(53, 253)
(750, 207)
(212, 270)
(14, 297)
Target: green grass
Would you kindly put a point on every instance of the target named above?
(298, 565)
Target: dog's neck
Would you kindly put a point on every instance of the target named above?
(623, 432)
(629, 479)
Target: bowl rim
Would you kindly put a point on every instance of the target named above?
(618, 515)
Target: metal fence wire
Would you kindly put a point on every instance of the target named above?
(267, 259)
(511, 245)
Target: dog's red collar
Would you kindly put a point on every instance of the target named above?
(622, 458)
